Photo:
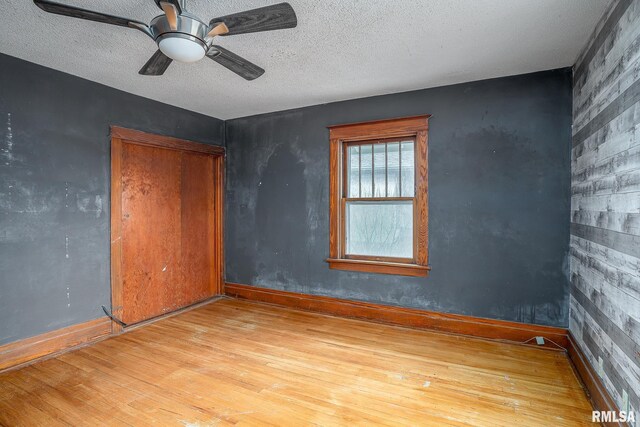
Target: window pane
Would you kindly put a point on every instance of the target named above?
(380, 229)
(379, 170)
(408, 169)
(365, 171)
(353, 171)
(393, 171)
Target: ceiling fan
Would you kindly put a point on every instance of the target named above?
(183, 37)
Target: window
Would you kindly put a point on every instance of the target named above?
(378, 205)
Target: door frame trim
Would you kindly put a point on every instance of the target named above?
(153, 140)
(119, 135)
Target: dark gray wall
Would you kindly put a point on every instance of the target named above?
(54, 190)
(499, 180)
(605, 203)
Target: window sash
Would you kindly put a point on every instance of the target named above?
(346, 196)
(346, 161)
(344, 233)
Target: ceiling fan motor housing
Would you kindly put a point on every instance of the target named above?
(187, 26)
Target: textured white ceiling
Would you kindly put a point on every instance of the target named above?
(341, 49)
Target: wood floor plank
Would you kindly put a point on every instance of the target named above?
(236, 362)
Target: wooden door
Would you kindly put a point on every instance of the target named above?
(166, 224)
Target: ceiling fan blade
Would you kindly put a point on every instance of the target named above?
(157, 65)
(172, 13)
(76, 12)
(235, 63)
(176, 3)
(276, 17)
(218, 30)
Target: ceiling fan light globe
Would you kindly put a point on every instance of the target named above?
(181, 49)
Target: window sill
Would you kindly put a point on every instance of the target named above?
(379, 267)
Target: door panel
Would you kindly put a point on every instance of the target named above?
(168, 230)
(150, 239)
(198, 224)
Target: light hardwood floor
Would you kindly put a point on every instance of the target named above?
(237, 362)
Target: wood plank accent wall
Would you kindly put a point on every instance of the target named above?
(595, 390)
(605, 203)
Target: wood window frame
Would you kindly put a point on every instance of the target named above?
(415, 128)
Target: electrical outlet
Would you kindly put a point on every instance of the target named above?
(600, 367)
(540, 340)
(625, 402)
